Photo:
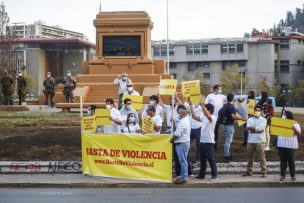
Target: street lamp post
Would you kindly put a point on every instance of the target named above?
(168, 62)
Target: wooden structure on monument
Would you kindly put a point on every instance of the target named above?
(123, 42)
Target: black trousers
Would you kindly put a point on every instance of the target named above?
(245, 134)
(287, 156)
(177, 165)
(216, 131)
(196, 134)
(207, 153)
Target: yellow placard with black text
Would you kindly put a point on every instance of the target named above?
(187, 85)
(137, 101)
(195, 95)
(103, 117)
(147, 125)
(88, 123)
(143, 157)
(281, 127)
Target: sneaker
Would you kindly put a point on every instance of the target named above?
(213, 179)
(246, 174)
(191, 175)
(293, 179)
(200, 177)
(267, 148)
(263, 175)
(180, 181)
(282, 178)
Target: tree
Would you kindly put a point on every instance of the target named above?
(231, 80)
(7, 42)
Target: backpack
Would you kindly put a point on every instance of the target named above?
(222, 115)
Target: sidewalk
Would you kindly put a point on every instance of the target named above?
(82, 181)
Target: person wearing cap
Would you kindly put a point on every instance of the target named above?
(21, 85)
(121, 81)
(69, 86)
(49, 89)
(7, 88)
(130, 90)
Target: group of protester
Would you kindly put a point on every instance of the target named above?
(202, 123)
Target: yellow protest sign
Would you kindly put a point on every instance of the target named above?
(103, 116)
(195, 95)
(251, 104)
(281, 127)
(130, 156)
(88, 123)
(240, 123)
(137, 101)
(167, 87)
(187, 85)
(147, 125)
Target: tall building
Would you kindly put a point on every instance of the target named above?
(40, 30)
(277, 58)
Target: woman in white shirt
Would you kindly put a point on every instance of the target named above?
(131, 126)
(287, 147)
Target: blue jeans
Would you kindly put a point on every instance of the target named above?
(228, 132)
(182, 150)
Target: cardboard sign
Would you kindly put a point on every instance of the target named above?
(137, 101)
(195, 95)
(103, 116)
(167, 87)
(281, 127)
(187, 85)
(242, 111)
(147, 125)
(88, 123)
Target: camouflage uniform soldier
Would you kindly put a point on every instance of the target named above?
(21, 84)
(7, 88)
(49, 89)
(69, 85)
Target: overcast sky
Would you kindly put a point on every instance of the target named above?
(189, 19)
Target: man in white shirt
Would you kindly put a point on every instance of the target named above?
(206, 139)
(168, 111)
(181, 139)
(217, 99)
(130, 90)
(157, 120)
(127, 109)
(115, 117)
(121, 81)
(256, 141)
(159, 110)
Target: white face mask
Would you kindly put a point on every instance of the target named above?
(20, 74)
(128, 107)
(69, 74)
(283, 116)
(219, 91)
(48, 76)
(124, 78)
(109, 106)
(132, 120)
(152, 102)
(130, 89)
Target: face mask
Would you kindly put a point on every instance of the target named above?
(124, 78)
(109, 106)
(257, 113)
(219, 91)
(48, 76)
(128, 107)
(283, 116)
(152, 102)
(130, 89)
(69, 74)
(132, 120)
(20, 74)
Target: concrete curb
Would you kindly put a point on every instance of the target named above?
(52, 167)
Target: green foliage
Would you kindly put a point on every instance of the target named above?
(231, 80)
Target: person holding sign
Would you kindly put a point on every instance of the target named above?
(287, 147)
(115, 118)
(131, 126)
(207, 149)
(157, 120)
(256, 141)
(127, 109)
(181, 138)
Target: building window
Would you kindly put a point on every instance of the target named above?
(156, 51)
(276, 48)
(231, 48)
(207, 76)
(189, 49)
(240, 48)
(197, 48)
(172, 65)
(284, 44)
(284, 66)
(224, 48)
(199, 65)
(191, 66)
(163, 51)
(204, 48)
(206, 64)
(240, 63)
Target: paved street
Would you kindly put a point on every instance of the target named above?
(180, 195)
